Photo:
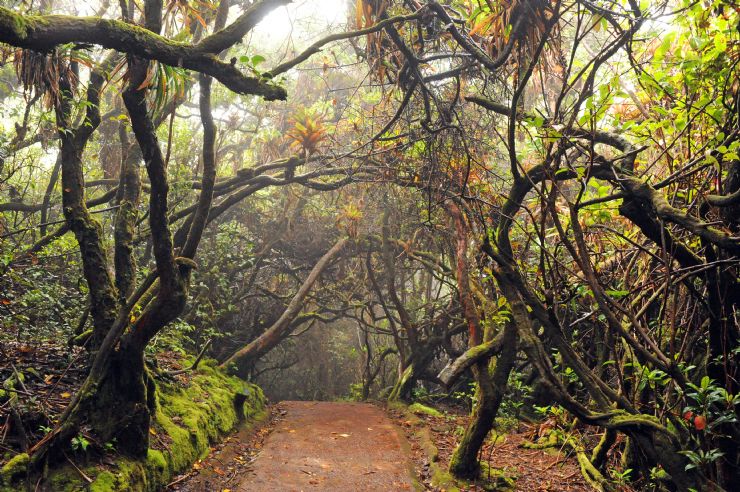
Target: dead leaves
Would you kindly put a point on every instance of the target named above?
(534, 468)
(226, 462)
(41, 73)
(367, 12)
(188, 11)
(493, 25)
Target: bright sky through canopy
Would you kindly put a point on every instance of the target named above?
(301, 19)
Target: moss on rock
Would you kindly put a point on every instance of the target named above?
(440, 477)
(423, 409)
(195, 416)
(188, 419)
(103, 482)
(16, 467)
(496, 478)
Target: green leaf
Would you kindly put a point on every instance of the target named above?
(720, 42)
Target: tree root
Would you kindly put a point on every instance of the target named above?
(551, 441)
(590, 473)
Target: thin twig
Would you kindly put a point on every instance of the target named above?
(194, 366)
(82, 474)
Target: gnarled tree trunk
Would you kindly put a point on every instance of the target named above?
(491, 387)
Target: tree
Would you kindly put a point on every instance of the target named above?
(561, 70)
(116, 399)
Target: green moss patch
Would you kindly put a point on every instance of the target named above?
(189, 418)
(440, 477)
(418, 408)
(14, 468)
(497, 479)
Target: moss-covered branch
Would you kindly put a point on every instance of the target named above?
(44, 32)
(473, 355)
(233, 33)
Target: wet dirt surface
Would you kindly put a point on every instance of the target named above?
(331, 447)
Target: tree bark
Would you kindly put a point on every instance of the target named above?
(490, 387)
(103, 295)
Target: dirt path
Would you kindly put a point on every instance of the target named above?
(331, 447)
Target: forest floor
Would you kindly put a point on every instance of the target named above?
(49, 375)
(305, 445)
(533, 470)
(326, 446)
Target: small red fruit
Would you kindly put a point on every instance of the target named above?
(700, 422)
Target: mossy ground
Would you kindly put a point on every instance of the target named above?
(496, 479)
(13, 468)
(189, 417)
(440, 477)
